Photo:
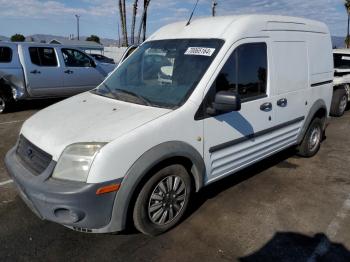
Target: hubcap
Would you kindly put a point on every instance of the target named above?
(167, 200)
(2, 104)
(343, 103)
(315, 138)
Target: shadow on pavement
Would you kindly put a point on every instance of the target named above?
(216, 188)
(33, 104)
(289, 246)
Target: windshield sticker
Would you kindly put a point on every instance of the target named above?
(345, 58)
(203, 51)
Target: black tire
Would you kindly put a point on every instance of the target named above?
(143, 216)
(312, 141)
(6, 102)
(337, 107)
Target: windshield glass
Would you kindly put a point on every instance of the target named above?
(161, 73)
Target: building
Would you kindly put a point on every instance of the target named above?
(87, 46)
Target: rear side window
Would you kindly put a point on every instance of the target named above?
(245, 73)
(43, 56)
(5, 54)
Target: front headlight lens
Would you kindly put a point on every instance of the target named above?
(75, 161)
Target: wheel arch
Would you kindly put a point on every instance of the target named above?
(318, 109)
(174, 152)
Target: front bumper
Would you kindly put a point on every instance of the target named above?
(73, 204)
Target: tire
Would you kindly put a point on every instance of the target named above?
(339, 102)
(156, 204)
(6, 102)
(312, 140)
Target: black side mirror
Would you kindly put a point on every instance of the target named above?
(225, 102)
(93, 64)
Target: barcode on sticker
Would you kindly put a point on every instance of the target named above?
(204, 51)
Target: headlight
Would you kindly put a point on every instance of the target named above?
(76, 160)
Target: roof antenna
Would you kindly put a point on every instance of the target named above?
(194, 9)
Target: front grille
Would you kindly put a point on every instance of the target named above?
(32, 157)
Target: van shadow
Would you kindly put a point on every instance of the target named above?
(238, 122)
(290, 246)
(216, 188)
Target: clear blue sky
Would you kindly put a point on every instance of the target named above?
(101, 16)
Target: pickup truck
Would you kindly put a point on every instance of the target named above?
(34, 71)
(341, 82)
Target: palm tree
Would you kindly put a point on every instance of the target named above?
(143, 21)
(347, 7)
(122, 13)
(134, 13)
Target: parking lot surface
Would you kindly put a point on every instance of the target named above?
(285, 208)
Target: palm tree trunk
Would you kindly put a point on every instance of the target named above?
(122, 13)
(143, 20)
(145, 23)
(347, 36)
(133, 22)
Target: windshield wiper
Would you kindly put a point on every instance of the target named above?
(96, 91)
(112, 92)
(144, 100)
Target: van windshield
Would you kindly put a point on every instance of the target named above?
(161, 73)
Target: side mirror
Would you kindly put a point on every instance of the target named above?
(226, 102)
(93, 63)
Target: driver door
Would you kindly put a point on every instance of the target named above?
(236, 139)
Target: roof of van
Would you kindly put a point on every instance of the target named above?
(219, 26)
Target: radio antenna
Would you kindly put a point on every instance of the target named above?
(194, 9)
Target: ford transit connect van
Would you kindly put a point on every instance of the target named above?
(192, 105)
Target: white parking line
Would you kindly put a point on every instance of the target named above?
(6, 182)
(332, 230)
(12, 122)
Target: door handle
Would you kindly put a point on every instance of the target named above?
(282, 102)
(35, 72)
(68, 72)
(266, 107)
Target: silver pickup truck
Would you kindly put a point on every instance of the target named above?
(34, 71)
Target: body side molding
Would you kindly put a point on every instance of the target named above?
(254, 135)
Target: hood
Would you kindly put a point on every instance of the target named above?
(85, 118)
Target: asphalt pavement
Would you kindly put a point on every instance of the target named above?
(285, 208)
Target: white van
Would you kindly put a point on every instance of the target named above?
(192, 105)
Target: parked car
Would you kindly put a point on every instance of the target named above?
(341, 94)
(238, 89)
(102, 58)
(32, 71)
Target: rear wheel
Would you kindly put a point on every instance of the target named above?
(339, 102)
(163, 200)
(312, 140)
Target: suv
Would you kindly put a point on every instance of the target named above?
(34, 71)
(193, 104)
(341, 95)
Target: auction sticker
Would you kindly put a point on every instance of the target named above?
(203, 51)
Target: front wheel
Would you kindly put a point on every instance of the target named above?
(163, 200)
(312, 140)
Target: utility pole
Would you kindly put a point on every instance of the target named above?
(213, 7)
(78, 17)
(119, 44)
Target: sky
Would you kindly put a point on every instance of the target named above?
(101, 17)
